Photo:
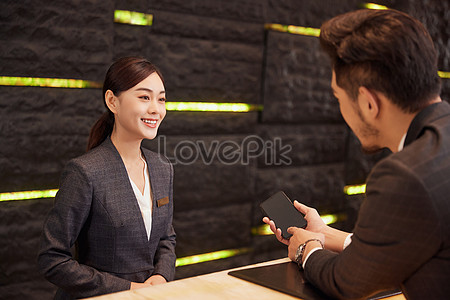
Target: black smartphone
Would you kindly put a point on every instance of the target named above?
(282, 211)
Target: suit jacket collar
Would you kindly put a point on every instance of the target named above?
(426, 116)
(131, 197)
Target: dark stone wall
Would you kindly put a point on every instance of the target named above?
(208, 50)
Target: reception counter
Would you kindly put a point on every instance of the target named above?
(218, 285)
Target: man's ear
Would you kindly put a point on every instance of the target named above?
(369, 102)
(111, 101)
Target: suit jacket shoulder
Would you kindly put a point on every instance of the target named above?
(401, 237)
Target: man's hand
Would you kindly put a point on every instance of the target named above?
(333, 238)
(315, 223)
(299, 236)
(275, 230)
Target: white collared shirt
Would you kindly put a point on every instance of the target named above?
(144, 200)
(347, 242)
(402, 143)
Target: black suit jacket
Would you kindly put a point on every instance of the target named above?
(96, 207)
(402, 235)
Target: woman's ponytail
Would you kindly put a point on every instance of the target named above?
(101, 129)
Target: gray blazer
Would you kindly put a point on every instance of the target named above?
(96, 208)
(402, 235)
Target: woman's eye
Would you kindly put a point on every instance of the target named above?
(162, 99)
(145, 97)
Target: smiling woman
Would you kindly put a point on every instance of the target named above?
(139, 110)
(125, 75)
(116, 200)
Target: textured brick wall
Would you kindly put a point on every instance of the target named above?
(208, 50)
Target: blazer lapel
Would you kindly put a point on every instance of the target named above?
(153, 190)
(128, 197)
(158, 184)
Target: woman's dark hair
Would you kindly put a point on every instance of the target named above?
(123, 74)
(384, 50)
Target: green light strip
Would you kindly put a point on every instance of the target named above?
(374, 6)
(444, 74)
(329, 219)
(309, 31)
(355, 189)
(133, 18)
(177, 106)
(213, 107)
(261, 230)
(265, 229)
(195, 259)
(48, 82)
(173, 106)
(28, 195)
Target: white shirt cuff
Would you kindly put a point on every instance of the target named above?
(347, 241)
(309, 253)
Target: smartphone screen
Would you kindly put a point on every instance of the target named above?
(282, 211)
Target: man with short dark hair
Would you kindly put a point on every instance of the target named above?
(385, 79)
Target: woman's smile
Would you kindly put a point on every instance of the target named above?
(152, 123)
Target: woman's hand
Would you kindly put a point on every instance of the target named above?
(156, 279)
(138, 285)
(152, 280)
